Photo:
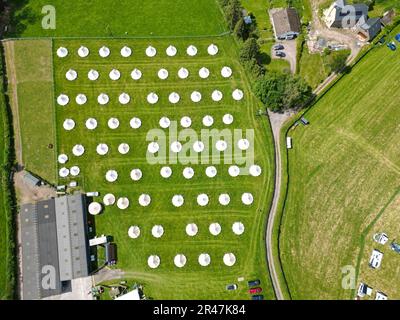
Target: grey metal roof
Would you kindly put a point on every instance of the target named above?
(31, 179)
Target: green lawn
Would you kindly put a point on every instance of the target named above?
(169, 282)
(343, 170)
(108, 18)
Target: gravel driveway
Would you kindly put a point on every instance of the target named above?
(290, 51)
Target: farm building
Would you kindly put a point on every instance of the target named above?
(54, 241)
(368, 30)
(286, 23)
(341, 15)
(31, 180)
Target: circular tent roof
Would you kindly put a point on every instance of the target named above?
(62, 99)
(93, 75)
(152, 98)
(195, 96)
(133, 232)
(226, 72)
(102, 149)
(63, 172)
(83, 51)
(109, 199)
(144, 200)
(188, 173)
(126, 51)
(157, 231)
(204, 73)
(237, 94)
(208, 121)
(202, 199)
(78, 150)
(229, 259)
(255, 170)
(124, 98)
(221, 145)
(164, 122)
(62, 52)
(174, 97)
(243, 144)
(136, 74)
(111, 175)
(224, 199)
(212, 49)
(186, 122)
(180, 260)
(71, 75)
(123, 148)
(234, 171)
(204, 259)
(151, 51)
(211, 171)
(136, 174)
(94, 208)
(135, 123)
(113, 123)
(191, 50)
(91, 123)
(62, 158)
(104, 52)
(69, 124)
(123, 203)
(216, 95)
(227, 119)
(191, 229)
(247, 198)
(215, 228)
(198, 146)
(238, 228)
(163, 74)
(176, 146)
(171, 51)
(81, 99)
(103, 99)
(74, 171)
(183, 73)
(178, 200)
(114, 74)
(153, 147)
(165, 172)
(153, 261)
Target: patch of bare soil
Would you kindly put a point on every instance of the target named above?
(28, 193)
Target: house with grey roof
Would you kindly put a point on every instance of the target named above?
(368, 30)
(343, 15)
(286, 23)
(55, 245)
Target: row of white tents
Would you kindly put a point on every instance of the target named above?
(180, 260)
(126, 51)
(136, 74)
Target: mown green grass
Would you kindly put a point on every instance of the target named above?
(343, 170)
(167, 282)
(108, 18)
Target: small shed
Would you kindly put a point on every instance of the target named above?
(31, 180)
(289, 142)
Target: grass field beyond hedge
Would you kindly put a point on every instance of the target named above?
(169, 282)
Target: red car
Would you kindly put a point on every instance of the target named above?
(255, 290)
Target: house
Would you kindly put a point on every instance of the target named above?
(368, 30)
(341, 15)
(286, 23)
(375, 259)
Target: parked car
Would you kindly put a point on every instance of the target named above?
(278, 47)
(398, 37)
(255, 290)
(280, 54)
(253, 283)
(232, 286)
(392, 46)
(257, 297)
(304, 121)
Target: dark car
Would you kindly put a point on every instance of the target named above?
(231, 286)
(280, 54)
(304, 121)
(391, 46)
(253, 283)
(279, 47)
(257, 297)
(255, 290)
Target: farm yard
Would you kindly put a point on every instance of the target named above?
(168, 197)
(343, 173)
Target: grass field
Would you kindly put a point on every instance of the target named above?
(29, 67)
(107, 18)
(343, 170)
(193, 281)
